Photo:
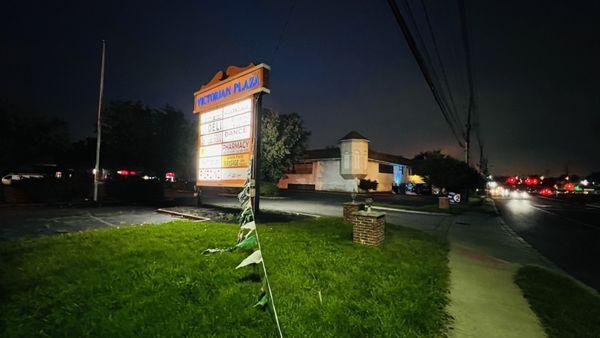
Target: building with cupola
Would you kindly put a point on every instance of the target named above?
(341, 168)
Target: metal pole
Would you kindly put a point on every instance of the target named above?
(97, 172)
(257, 112)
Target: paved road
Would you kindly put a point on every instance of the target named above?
(32, 221)
(566, 233)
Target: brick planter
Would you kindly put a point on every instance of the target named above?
(350, 208)
(368, 227)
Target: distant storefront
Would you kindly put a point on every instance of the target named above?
(340, 169)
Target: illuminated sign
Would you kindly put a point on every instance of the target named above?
(225, 144)
(226, 112)
(241, 83)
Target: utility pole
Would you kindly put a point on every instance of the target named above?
(97, 172)
(468, 130)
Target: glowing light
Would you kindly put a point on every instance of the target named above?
(546, 192)
(123, 172)
(585, 183)
(569, 186)
(511, 180)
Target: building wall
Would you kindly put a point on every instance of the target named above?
(354, 158)
(384, 180)
(299, 178)
(329, 177)
(326, 176)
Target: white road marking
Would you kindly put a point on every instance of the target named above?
(101, 220)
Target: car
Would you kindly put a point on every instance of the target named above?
(10, 178)
(546, 191)
(519, 194)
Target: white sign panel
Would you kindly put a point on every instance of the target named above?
(237, 121)
(210, 162)
(211, 127)
(209, 174)
(225, 144)
(234, 173)
(236, 134)
(236, 147)
(211, 116)
(209, 139)
(214, 150)
(237, 108)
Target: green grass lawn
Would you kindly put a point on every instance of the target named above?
(476, 204)
(565, 308)
(153, 281)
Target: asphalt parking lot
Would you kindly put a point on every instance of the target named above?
(31, 221)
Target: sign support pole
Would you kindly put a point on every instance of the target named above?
(256, 136)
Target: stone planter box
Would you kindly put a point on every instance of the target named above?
(350, 208)
(368, 227)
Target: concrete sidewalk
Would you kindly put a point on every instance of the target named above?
(484, 258)
(484, 300)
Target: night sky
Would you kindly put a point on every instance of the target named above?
(341, 65)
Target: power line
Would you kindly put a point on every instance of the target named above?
(282, 33)
(421, 63)
(451, 112)
(439, 60)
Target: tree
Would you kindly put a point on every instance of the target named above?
(159, 140)
(283, 142)
(175, 142)
(28, 137)
(127, 135)
(445, 171)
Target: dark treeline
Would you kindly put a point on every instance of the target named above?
(133, 136)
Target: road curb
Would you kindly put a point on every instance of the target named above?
(237, 207)
(261, 197)
(520, 239)
(412, 211)
(180, 214)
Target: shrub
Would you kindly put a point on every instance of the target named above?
(268, 189)
(367, 185)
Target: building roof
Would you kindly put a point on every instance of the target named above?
(353, 135)
(377, 156)
(316, 154)
(334, 153)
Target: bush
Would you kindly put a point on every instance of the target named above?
(367, 185)
(268, 189)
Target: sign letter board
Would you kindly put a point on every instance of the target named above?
(226, 125)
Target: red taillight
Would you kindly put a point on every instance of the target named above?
(132, 172)
(569, 186)
(123, 172)
(546, 192)
(511, 180)
(170, 175)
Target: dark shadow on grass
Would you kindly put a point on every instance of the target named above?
(272, 217)
(251, 277)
